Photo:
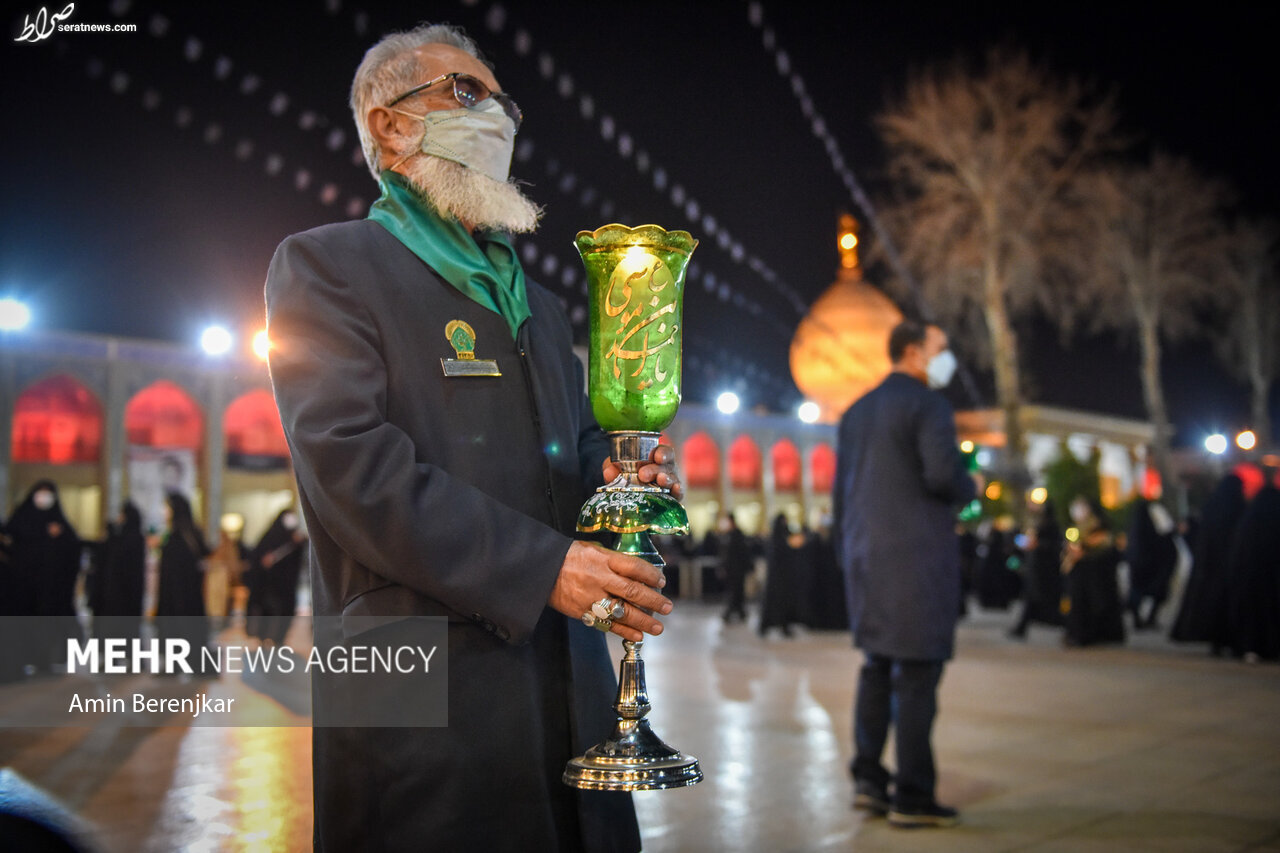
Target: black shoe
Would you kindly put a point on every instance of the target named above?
(918, 817)
(871, 798)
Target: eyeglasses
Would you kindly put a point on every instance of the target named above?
(468, 92)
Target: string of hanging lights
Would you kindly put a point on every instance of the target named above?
(317, 180)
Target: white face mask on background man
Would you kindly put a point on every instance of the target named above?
(940, 369)
(44, 500)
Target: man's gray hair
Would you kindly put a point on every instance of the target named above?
(389, 68)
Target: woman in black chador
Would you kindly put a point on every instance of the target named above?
(44, 562)
(1152, 554)
(180, 601)
(778, 604)
(827, 609)
(1042, 583)
(121, 576)
(275, 565)
(1093, 611)
(1254, 590)
(1205, 614)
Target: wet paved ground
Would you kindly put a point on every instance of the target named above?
(1151, 747)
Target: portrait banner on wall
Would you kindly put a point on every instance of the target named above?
(153, 473)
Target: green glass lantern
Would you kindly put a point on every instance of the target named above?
(635, 290)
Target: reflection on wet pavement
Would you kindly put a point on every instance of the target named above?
(1148, 747)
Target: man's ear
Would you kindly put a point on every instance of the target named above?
(383, 126)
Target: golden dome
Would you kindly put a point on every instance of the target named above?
(840, 349)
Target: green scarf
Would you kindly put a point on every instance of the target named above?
(491, 276)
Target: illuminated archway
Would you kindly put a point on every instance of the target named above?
(164, 415)
(786, 466)
(700, 462)
(57, 420)
(254, 435)
(745, 463)
(823, 467)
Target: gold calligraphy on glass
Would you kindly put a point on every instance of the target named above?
(642, 298)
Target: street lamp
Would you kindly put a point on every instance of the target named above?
(216, 340)
(1247, 440)
(14, 315)
(728, 402)
(261, 344)
(808, 412)
(1216, 444)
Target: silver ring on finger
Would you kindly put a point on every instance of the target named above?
(604, 608)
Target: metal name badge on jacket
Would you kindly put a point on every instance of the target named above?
(463, 340)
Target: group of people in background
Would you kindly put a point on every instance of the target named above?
(1084, 576)
(1232, 597)
(1215, 577)
(42, 560)
(800, 584)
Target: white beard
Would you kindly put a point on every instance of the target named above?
(471, 197)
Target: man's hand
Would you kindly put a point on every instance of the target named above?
(591, 572)
(660, 470)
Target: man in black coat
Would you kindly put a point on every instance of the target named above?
(899, 479)
(443, 445)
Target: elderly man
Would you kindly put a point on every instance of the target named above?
(443, 445)
(899, 479)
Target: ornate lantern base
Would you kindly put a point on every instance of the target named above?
(633, 758)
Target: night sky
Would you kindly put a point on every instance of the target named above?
(148, 177)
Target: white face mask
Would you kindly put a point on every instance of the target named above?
(480, 137)
(1080, 513)
(44, 500)
(940, 369)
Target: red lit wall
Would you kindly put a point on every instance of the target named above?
(786, 466)
(700, 462)
(252, 425)
(745, 463)
(57, 420)
(823, 466)
(163, 415)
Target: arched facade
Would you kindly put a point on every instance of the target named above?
(787, 466)
(163, 414)
(700, 462)
(253, 429)
(755, 465)
(98, 416)
(57, 421)
(258, 479)
(57, 435)
(822, 466)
